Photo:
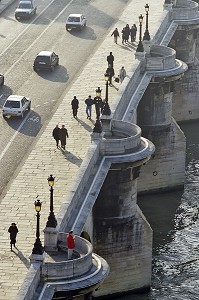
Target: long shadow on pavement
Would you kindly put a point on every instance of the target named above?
(23, 259)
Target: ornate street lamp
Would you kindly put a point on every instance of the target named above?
(98, 103)
(146, 34)
(140, 47)
(38, 248)
(106, 109)
(52, 222)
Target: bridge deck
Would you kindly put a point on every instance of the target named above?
(46, 159)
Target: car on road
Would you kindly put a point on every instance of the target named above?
(75, 21)
(46, 60)
(1, 79)
(16, 106)
(25, 9)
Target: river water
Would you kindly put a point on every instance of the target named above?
(174, 219)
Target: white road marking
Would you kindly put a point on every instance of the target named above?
(13, 137)
(35, 41)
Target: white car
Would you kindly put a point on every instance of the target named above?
(75, 21)
(16, 106)
(26, 9)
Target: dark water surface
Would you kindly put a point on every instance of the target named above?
(174, 220)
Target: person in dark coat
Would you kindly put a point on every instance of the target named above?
(110, 59)
(75, 106)
(127, 33)
(115, 34)
(110, 72)
(89, 102)
(56, 135)
(13, 230)
(63, 134)
(98, 106)
(133, 31)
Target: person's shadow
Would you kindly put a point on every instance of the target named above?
(24, 260)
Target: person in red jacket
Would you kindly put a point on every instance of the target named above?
(70, 243)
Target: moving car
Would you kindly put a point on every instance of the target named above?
(1, 79)
(75, 21)
(46, 60)
(25, 9)
(16, 106)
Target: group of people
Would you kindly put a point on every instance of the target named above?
(110, 70)
(60, 134)
(70, 239)
(127, 33)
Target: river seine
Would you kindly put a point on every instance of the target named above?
(174, 219)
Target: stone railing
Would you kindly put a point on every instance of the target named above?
(70, 268)
(30, 283)
(185, 10)
(161, 58)
(125, 137)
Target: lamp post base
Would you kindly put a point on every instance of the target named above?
(37, 257)
(50, 239)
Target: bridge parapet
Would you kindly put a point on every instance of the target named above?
(185, 10)
(70, 268)
(125, 137)
(160, 58)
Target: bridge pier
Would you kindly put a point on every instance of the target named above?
(121, 234)
(186, 96)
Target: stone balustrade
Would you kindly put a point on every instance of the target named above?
(185, 10)
(161, 58)
(70, 268)
(125, 137)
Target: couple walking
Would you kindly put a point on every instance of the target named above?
(60, 134)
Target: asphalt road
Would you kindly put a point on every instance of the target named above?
(20, 41)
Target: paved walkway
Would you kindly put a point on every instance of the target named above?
(46, 159)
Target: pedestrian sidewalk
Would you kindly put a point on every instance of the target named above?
(45, 159)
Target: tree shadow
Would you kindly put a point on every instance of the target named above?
(23, 259)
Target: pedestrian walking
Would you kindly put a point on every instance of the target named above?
(63, 134)
(110, 59)
(115, 34)
(89, 102)
(110, 72)
(123, 35)
(98, 106)
(133, 32)
(75, 106)
(70, 243)
(56, 135)
(122, 74)
(127, 33)
(13, 230)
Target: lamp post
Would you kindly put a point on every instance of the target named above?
(52, 222)
(98, 103)
(146, 34)
(106, 109)
(140, 47)
(38, 248)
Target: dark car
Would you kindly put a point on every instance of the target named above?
(1, 79)
(46, 60)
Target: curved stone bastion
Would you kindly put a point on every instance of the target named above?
(78, 276)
